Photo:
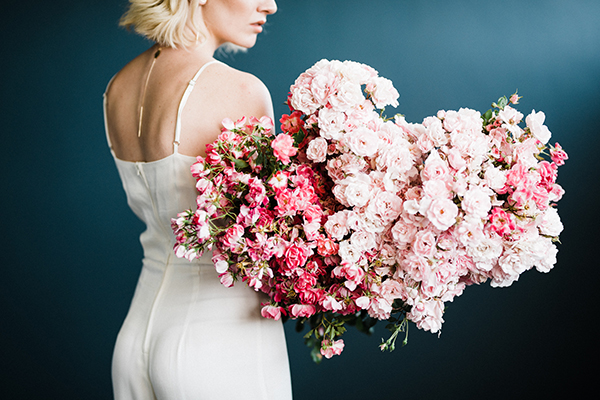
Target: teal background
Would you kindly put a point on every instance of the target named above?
(70, 252)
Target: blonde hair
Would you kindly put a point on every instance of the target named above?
(167, 22)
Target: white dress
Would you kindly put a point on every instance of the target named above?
(186, 336)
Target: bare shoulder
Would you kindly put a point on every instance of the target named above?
(221, 92)
(238, 93)
(127, 76)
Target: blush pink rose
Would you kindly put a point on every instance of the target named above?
(337, 225)
(424, 243)
(476, 202)
(442, 213)
(385, 206)
(302, 99)
(435, 168)
(383, 92)
(362, 141)
(317, 150)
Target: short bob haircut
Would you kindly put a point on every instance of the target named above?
(167, 22)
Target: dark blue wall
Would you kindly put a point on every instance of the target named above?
(69, 243)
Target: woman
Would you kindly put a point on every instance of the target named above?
(186, 336)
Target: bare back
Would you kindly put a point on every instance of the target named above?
(220, 92)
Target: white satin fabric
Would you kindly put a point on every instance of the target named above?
(186, 336)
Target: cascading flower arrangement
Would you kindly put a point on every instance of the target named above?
(349, 218)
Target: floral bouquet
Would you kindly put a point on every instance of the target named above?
(349, 218)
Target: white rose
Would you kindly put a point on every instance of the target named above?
(548, 259)
(549, 222)
(494, 178)
(362, 240)
(384, 93)
(485, 252)
(535, 122)
(348, 252)
(331, 123)
(511, 263)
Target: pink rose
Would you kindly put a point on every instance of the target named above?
(501, 222)
(330, 303)
(271, 312)
(283, 148)
(548, 172)
(313, 213)
(302, 310)
(233, 238)
(556, 193)
(226, 279)
(329, 349)
(558, 155)
(279, 180)
(297, 254)
(198, 169)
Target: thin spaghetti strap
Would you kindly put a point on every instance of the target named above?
(104, 101)
(184, 98)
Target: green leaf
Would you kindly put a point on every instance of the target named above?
(240, 164)
(488, 115)
(316, 356)
(299, 137)
(502, 102)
